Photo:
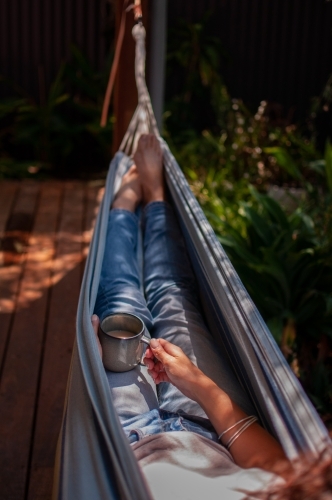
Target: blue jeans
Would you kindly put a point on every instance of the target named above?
(170, 309)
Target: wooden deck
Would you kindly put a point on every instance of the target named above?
(45, 230)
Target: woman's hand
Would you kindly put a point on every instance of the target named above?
(255, 447)
(167, 362)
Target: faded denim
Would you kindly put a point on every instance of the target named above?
(170, 309)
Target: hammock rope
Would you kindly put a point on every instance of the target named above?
(94, 458)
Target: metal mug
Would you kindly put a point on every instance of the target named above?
(122, 339)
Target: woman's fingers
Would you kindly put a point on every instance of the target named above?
(162, 377)
(153, 365)
(158, 366)
(171, 349)
(149, 353)
(95, 323)
(159, 350)
(158, 376)
(149, 363)
(169, 363)
(95, 326)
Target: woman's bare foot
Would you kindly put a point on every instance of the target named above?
(130, 193)
(149, 161)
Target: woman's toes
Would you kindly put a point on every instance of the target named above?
(154, 142)
(132, 170)
(143, 141)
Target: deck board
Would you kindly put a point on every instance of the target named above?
(18, 374)
(8, 192)
(59, 341)
(13, 251)
(45, 230)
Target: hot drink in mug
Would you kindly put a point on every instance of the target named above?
(122, 336)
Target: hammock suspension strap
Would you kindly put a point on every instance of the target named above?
(137, 9)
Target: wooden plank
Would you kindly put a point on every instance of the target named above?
(8, 190)
(94, 196)
(13, 248)
(59, 342)
(21, 369)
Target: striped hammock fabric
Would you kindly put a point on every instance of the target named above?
(94, 459)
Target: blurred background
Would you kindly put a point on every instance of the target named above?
(245, 107)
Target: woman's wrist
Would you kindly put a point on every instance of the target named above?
(216, 403)
(205, 389)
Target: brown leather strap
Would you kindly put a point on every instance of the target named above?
(115, 64)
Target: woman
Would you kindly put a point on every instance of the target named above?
(197, 436)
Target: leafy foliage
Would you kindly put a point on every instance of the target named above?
(282, 253)
(287, 269)
(62, 132)
(284, 267)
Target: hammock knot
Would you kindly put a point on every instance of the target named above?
(138, 32)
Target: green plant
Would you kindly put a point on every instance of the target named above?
(319, 202)
(287, 271)
(208, 129)
(41, 128)
(283, 254)
(61, 132)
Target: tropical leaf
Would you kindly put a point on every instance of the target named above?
(280, 283)
(318, 166)
(260, 225)
(238, 250)
(272, 207)
(284, 160)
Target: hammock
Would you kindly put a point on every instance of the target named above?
(94, 459)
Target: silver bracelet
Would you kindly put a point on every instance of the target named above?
(237, 423)
(239, 432)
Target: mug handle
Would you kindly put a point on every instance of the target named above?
(146, 341)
